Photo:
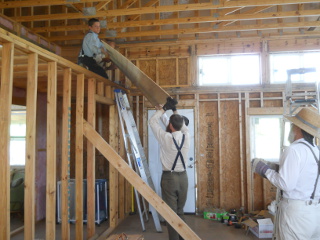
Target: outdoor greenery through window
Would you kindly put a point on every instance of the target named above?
(281, 62)
(266, 133)
(18, 135)
(229, 69)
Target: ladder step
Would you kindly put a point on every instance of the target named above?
(136, 152)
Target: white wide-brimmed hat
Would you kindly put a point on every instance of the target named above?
(308, 120)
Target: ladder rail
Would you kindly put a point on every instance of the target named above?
(136, 147)
(130, 164)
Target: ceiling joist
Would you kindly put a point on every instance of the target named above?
(161, 9)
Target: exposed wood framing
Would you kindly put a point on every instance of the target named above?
(65, 162)
(5, 109)
(29, 198)
(91, 167)
(22, 51)
(51, 151)
(79, 156)
(113, 174)
(136, 181)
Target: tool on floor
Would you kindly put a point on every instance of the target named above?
(135, 153)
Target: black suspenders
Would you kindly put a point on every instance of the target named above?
(318, 163)
(179, 154)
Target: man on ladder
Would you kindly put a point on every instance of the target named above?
(174, 146)
(298, 176)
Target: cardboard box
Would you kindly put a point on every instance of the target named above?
(262, 229)
(214, 215)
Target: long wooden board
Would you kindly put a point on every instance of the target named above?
(135, 180)
(151, 90)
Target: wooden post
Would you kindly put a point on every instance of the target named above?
(5, 110)
(242, 192)
(79, 156)
(29, 191)
(113, 173)
(250, 184)
(65, 158)
(91, 160)
(51, 151)
(220, 156)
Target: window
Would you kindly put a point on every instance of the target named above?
(229, 69)
(281, 62)
(266, 137)
(18, 135)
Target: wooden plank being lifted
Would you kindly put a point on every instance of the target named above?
(135, 180)
(152, 91)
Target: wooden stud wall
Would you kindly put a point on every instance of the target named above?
(222, 126)
(74, 79)
(224, 177)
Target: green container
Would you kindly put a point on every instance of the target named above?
(214, 215)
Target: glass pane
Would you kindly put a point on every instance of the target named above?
(17, 151)
(281, 62)
(213, 70)
(265, 139)
(242, 75)
(229, 70)
(18, 135)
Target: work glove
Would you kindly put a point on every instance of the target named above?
(186, 120)
(260, 167)
(170, 104)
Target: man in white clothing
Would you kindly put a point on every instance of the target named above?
(299, 209)
(174, 147)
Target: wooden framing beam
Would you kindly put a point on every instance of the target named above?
(164, 210)
(30, 173)
(51, 151)
(5, 109)
(65, 158)
(79, 157)
(28, 3)
(113, 173)
(104, 100)
(91, 159)
(163, 8)
(217, 29)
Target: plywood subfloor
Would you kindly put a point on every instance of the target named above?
(206, 229)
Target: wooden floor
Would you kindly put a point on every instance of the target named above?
(206, 229)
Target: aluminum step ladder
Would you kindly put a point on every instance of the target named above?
(135, 153)
(292, 102)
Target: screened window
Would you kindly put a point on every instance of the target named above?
(281, 62)
(229, 69)
(18, 136)
(266, 134)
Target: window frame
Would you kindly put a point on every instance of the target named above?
(302, 63)
(229, 65)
